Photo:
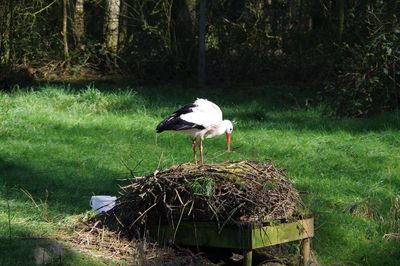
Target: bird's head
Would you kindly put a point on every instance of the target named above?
(228, 126)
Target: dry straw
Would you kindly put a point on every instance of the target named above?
(231, 192)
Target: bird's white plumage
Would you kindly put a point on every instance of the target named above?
(205, 113)
(200, 119)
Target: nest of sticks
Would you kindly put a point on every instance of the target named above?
(230, 192)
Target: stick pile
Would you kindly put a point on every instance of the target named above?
(231, 192)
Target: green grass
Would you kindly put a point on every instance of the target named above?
(62, 143)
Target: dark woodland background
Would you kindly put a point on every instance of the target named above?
(346, 52)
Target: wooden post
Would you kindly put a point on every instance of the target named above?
(306, 251)
(244, 237)
(248, 258)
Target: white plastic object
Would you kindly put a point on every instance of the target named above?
(102, 203)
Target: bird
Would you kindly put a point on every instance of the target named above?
(201, 118)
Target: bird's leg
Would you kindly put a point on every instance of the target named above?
(194, 150)
(201, 150)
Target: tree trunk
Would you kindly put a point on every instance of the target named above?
(274, 18)
(65, 31)
(123, 25)
(112, 25)
(340, 29)
(191, 6)
(183, 35)
(202, 44)
(79, 23)
(6, 37)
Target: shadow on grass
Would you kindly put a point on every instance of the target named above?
(300, 119)
(62, 166)
(26, 246)
(33, 251)
(58, 192)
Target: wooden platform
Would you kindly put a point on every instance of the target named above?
(246, 237)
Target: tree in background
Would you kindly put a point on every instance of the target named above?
(65, 32)
(202, 43)
(123, 25)
(7, 10)
(79, 23)
(349, 48)
(366, 75)
(111, 31)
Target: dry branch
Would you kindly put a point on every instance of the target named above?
(231, 192)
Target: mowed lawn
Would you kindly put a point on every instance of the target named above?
(60, 144)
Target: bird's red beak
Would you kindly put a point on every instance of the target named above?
(228, 140)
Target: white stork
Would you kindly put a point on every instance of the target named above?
(198, 119)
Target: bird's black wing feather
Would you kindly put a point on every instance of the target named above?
(184, 110)
(174, 122)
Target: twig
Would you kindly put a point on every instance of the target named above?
(159, 160)
(44, 8)
(179, 221)
(229, 217)
(127, 167)
(140, 216)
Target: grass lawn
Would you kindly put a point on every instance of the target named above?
(59, 144)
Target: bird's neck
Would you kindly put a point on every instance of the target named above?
(221, 128)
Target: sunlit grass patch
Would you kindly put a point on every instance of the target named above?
(61, 144)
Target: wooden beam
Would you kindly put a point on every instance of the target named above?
(245, 237)
(282, 233)
(206, 234)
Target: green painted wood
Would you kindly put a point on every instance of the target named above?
(245, 237)
(282, 233)
(248, 258)
(205, 234)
